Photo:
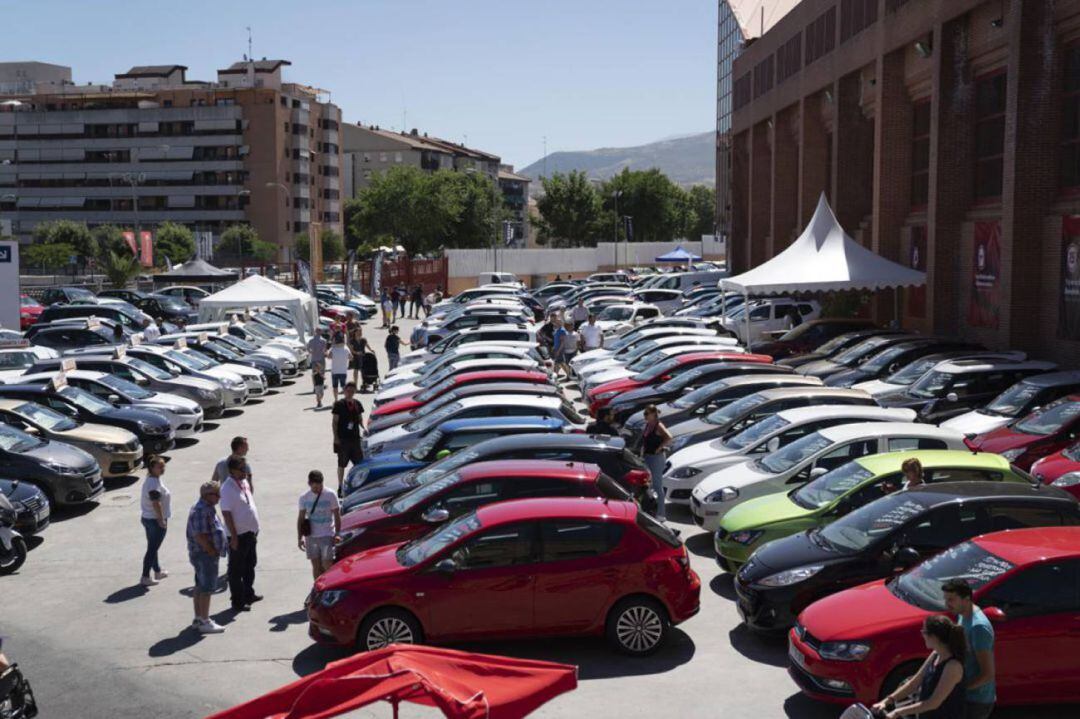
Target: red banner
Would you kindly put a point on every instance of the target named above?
(916, 296)
(146, 246)
(129, 238)
(1069, 307)
(984, 308)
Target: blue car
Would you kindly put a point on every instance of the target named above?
(445, 439)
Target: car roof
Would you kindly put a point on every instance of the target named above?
(847, 432)
(530, 468)
(477, 424)
(1053, 379)
(76, 373)
(555, 507)
(553, 440)
(538, 400)
(944, 491)
(802, 415)
(931, 458)
(726, 354)
(483, 329)
(509, 374)
(789, 378)
(1025, 546)
(965, 366)
(26, 388)
(782, 392)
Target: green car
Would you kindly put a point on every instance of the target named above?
(850, 486)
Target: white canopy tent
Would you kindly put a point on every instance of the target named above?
(259, 291)
(823, 259)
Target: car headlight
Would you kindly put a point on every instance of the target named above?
(356, 479)
(61, 468)
(685, 472)
(111, 448)
(331, 597)
(1069, 479)
(607, 395)
(233, 384)
(790, 576)
(844, 651)
(727, 494)
(206, 393)
(746, 537)
(1012, 454)
(152, 428)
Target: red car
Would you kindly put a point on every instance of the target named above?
(602, 395)
(1061, 469)
(404, 404)
(1029, 439)
(529, 567)
(29, 311)
(860, 644)
(414, 513)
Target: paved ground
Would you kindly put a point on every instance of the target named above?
(95, 644)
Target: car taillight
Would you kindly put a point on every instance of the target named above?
(637, 478)
(970, 445)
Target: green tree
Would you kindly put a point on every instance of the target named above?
(702, 202)
(109, 238)
(241, 242)
(478, 208)
(302, 246)
(333, 246)
(175, 242)
(120, 268)
(659, 208)
(414, 208)
(49, 255)
(349, 210)
(570, 211)
(74, 234)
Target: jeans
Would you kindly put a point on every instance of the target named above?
(242, 561)
(394, 359)
(155, 535)
(655, 463)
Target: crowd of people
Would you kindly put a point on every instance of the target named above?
(400, 302)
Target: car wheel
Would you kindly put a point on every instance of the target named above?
(11, 560)
(637, 626)
(388, 626)
(897, 677)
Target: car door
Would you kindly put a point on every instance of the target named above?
(1037, 643)
(942, 528)
(841, 454)
(577, 573)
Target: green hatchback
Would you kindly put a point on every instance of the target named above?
(850, 486)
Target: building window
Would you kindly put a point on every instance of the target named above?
(821, 35)
(1070, 126)
(382, 157)
(920, 154)
(397, 157)
(989, 134)
(741, 91)
(286, 126)
(856, 16)
(789, 58)
(763, 76)
(284, 103)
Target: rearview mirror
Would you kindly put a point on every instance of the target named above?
(906, 557)
(446, 566)
(436, 515)
(952, 397)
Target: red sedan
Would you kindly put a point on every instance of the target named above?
(1041, 433)
(1061, 469)
(530, 567)
(404, 404)
(29, 311)
(859, 645)
(417, 512)
(602, 395)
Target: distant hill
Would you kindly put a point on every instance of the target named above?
(687, 160)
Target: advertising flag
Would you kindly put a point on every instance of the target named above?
(984, 306)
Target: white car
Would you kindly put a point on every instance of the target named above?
(477, 293)
(666, 300)
(598, 376)
(631, 341)
(171, 360)
(767, 316)
(808, 458)
(473, 351)
(387, 393)
(618, 318)
(689, 466)
(18, 355)
(650, 347)
(1019, 400)
(253, 378)
(423, 357)
(910, 373)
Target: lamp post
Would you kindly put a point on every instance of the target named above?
(615, 237)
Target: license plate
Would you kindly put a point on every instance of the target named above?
(796, 656)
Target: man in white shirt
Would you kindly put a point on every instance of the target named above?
(242, 523)
(239, 447)
(319, 533)
(591, 334)
(580, 314)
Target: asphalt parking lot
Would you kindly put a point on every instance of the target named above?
(95, 644)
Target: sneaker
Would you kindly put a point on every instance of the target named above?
(161, 575)
(196, 622)
(254, 598)
(147, 582)
(209, 626)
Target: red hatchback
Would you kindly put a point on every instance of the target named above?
(1029, 439)
(416, 512)
(29, 311)
(860, 644)
(404, 404)
(530, 567)
(602, 395)
(1061, 469)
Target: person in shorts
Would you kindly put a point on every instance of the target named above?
(348, 414)
(206, 546)
(318, 524)
(393, 347)
(340, 357)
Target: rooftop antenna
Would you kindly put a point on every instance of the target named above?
(250, 55)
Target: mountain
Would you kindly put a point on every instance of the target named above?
(687, 160)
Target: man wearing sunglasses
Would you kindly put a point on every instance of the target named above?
(206, 547)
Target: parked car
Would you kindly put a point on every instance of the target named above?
(29, 311)
(913, 371)
(595, 567)
(385, 421)
(263, 370)
(473, 351)
(65, 474)
(32, 509)
(131, 322)
(886, 361)
(809, 336)
(852, 356)
(768, 316)
(860, 644)
(191, 295)
(835, 346)
(1022, 398)
(621, 317)
(888, 535)
(1041, 433)
(388, 392)
(621, 347)
(17, 356)
(179, 364)
(65, 335)
(167, 308)
(416, 512)
(460, 382)
(65, 295)
(844, 489)
(645, 355)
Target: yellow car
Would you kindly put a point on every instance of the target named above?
(117, 450)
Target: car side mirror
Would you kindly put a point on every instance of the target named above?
(436, 515)
(906, 557)
(952, 397)
(446, 566)
(817, 472)
(994, 614)
(114, 399)
(773, 444)
(443, 453)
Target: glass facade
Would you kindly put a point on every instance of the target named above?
(729, 42)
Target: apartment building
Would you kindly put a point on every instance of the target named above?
(515, 196)
(154, 146)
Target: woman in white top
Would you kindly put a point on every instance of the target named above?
(340, 358)
(156, 503)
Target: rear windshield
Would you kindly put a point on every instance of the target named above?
(612, 489)
(658, 530)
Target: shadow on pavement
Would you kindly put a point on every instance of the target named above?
(324, 408)
(126, 594)
(723, 585)
(187, 442)
(121, 482)
(234, 412)
(66, 512)
(282, 621)
(315, 657)
(758, 648)
(33, 542)
(210, 426)
(257, 400)
(800, 706)
(222, 585)
(187, 638)
(700, 545)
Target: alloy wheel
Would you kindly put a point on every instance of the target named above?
(389, 630)
(639, 628)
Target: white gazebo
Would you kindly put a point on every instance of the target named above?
(259, 291)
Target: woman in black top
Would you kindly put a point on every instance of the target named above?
(655, 439)
(936, 691)
(358, 344)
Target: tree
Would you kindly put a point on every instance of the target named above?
(349, 210)
(569, 211)
(242, 242)
(49, 255)
(702, 202)
(333, 246)
(75, 235)
(302, 246)
(658, 206)
(175, 242)
(478, 208)
(109, 238)
(120, 268)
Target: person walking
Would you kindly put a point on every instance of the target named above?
(429, 302)
(155, 502)
(242, 522)
(980, 690)
(545, 336)
(206, 546)
(387, 308)
(393, 347)
(340, 359)
(238, 447)
(571, 344)
(655, 439)
(936, 691)
(558, 345)
(318, 524)
(415, 301)
(579, 314)
(317, 347)
(348, 415)
(402, 298)
(592, 336)
(358, 345)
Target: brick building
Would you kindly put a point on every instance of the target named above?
(946, 135)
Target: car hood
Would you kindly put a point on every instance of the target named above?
(701, 452)
(402, 390)
(61, 453)
(390, 434)
(861, 613)
(877, 387)
(93, 432)
(641, 394)
(624, 384)
(363, 516)
(760, 511)
(1003, 439)
(20, 491)
(591, 356)
(192, 383)
(902, 399)
(1053, 466)
(846, 378)
(791, 552)
(690, 426)
(976, 422)
(376, 563)
(820, 368)
(136, 414)
(403, 404)
(740, 475)
(380, 489)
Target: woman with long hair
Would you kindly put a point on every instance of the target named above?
(936, 691)
(655, 439)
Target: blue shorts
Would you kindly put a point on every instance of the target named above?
(338, 380)
(206, 572)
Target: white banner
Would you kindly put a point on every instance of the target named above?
(305, 276)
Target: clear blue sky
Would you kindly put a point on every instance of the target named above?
(585, 73)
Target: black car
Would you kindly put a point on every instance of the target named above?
(884, 537)
(82, 310)
(169, 309)
(65, 295)
(66, 335)
(153, 430)
(835, 346)
(218, 353)
(32, 509)
(889, 360)
(66, 474)
(628, 403)
(376, 424)
(809, 336)
(130, 296)
(852, 356)
(609, 453)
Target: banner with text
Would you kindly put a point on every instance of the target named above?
(984, 307)
(1069, 313)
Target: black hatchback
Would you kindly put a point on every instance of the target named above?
(884, 537)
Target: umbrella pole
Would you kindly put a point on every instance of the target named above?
(746, 305)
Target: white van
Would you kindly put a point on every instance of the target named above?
(500, 278)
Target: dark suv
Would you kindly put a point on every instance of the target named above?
(65, 295)
(65, 335)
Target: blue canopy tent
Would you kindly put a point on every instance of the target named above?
(678, 255)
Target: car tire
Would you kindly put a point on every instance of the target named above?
(388, 626)
(897, 677)
(637, 626)
(12, 560)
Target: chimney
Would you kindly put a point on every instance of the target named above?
(414, 132)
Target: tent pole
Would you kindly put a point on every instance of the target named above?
(896, 306)
(746, 313)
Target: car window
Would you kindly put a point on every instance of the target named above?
(805, 309)
(1013, 517)
(498, 547)
(845, 453)
(540, 487)
(760, 313)
(460, 441)
(648, 313)
(938, 529)
(901, 444)
(1043, 589)
(471, 495)
(951, 474)
(876, 490)
(577, 539)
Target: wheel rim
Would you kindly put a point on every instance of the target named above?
(639, 628)
(389, 630)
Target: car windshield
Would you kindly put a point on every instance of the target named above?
(932, 385)
(728, 414)
(428, 546)
(870, 523)
(130, 389)
(148, 369)
(636, 351)
(881, 360)
(186, 361)
(28, 301)
(425, 446)
(206, 359)
(657, 370)
(84, 399)
(259, 331)
(855, 354)
(794, 454)
(1050, 419)
(409, 500)
(637, 361)
(238, 342)
(447, 464)
(615, 313)
(48, 418)
(222, 349)
(628, 339)
(430, 420)
(16, 360)
(171, 303)
(435, 378)
(685, 379)
(273, 320)
(14, 440)
(756, 432)
(1013, 401)
(830, 486)
(968, 561)
(699, 395)
(432, 392)
(77, 293)
(907, 374)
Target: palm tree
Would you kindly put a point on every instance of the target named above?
(119, 268)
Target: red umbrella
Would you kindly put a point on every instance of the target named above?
(462, 685)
